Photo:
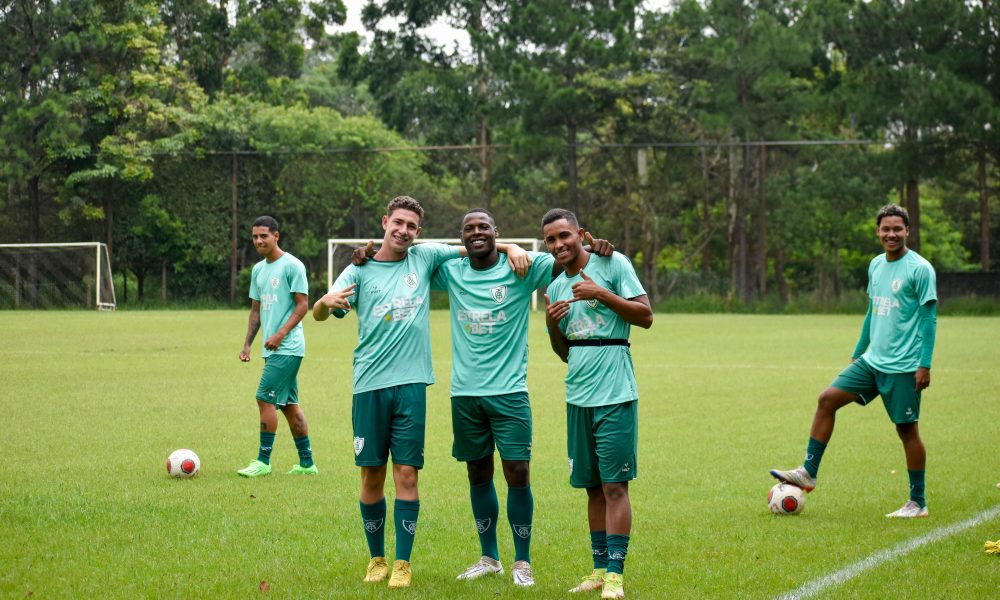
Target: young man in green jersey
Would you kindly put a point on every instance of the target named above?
(892, 358)
(392, 369)
(490, 409)
(591, 308)
(279, 299)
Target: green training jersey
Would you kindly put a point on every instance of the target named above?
(489, 323)
(897, 290)
(274, 285)
(392, 299)
(599, 375)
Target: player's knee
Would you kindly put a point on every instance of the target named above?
(405, 477)
(830, 400)
(615, 492)
(516, 473)
(480, 471)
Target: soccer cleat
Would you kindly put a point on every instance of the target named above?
(910, 510)
(401, 575)
(300, 470)
(590, 583)
(255, 469)
(798, 477)
(484, 566)
(614, 586)
(521, 572)
(377, 570)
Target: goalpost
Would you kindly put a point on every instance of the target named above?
(335, 262)
(58, 275)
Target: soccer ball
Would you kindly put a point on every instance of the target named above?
(786, 499)
(183, 464)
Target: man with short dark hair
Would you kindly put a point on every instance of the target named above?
(279, 294)
(892, 358)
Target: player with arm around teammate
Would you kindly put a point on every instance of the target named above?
(892, 358)
(591, 308)
(279, 300)
(490, 306)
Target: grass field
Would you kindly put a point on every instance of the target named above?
(97, 401)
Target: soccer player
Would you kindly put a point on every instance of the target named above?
(892, 358)
(490, 410)
(279, 300)
(591, 308)
(392, 369)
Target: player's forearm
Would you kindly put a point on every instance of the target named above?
(636, 311)
(321, 311)
(558, 342)
(865, 338)
(928, 331)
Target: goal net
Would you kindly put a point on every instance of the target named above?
(339, 251)
(72, 275)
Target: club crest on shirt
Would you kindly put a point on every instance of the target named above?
(359, 444)
(896, 284)
(410, 279)
(499, 293)
(592, 303)
(275, 282)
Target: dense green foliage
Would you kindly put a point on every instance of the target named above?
(735, 149)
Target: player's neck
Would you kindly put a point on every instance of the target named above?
(481, 263)
(578, 263)
(898, 254)
(387, 254)
(274, 254)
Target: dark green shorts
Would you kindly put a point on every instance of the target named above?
(390, 421)
(279, 383)
(898, 390)
(484, 423)
(603, 443)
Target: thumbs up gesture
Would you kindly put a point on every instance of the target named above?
(587, 289)
(597, 246)
(361, 254)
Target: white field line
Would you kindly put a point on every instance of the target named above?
(883, 556)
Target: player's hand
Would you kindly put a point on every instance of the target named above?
(519, 260)
(587, 289)
(340, 299)
(555, 311)
(599, 247)
(923, 378)
(363, 253)
(274, 341)
(245, 354)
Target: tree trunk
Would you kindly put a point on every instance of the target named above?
(913, 206)
(984, 217)
(233, 227)
(571, 132)
(734, 219)
(705, 218)
(761, 223)
(482, 126)
(744, 245)
(779, 274)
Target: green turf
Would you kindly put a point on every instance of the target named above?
(96, 401)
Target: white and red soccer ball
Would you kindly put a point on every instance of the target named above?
(786, 499)
(183, 463)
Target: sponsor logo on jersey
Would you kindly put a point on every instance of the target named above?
(584, 327)
(400, 309)
(410, 279)
(499, 293)
(482, 525)
(522, 531)
(359, 444)
(275, 282)
(480, 321)
(410, 526)
(883, 305)
(373, 525)
(896, 284)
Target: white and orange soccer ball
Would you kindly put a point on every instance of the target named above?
(183, 463)
(786, 499)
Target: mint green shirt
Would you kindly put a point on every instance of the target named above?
(489, 323)
(393, 305)
(897, 289)
(599, 375)
(274, 285)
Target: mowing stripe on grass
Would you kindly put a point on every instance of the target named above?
(850, 572)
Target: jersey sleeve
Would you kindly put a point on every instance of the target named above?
(540, 273)
(441, 278)
(436, 254)
(349, 275)
(924, 281)
(625, 278)
(297, 281)
(254, 292)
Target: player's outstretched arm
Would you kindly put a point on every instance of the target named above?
(300, 310)
(866, 337)
(333, 301)
(555, 312)
(636, 311)
(252, 327)
(927, 322)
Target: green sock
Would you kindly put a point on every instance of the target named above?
(520, 510)
(486, 511)
(266, 445)
(814, 454)
(599, 547)
(617, 549)
(373, 519)
(917, 487)
(404, 515)
(305, 451)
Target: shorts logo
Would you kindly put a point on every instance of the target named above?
(625, 468)
(483, 525)
(359, 444)
(896, 284)
(373, 525)
(499, 293)
(522, 531)
(275, 282)
(571, 466)
(592, 303)
(410, 526)
(410, 279)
